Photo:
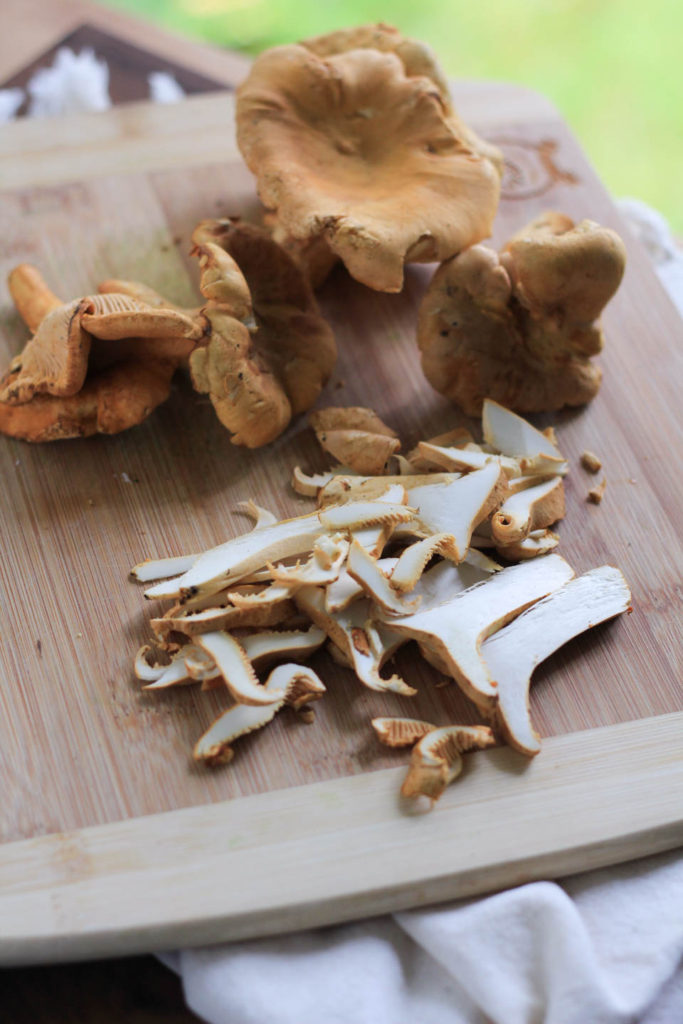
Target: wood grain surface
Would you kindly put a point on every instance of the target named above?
(79, 743)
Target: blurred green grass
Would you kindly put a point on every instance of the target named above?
(613, 67)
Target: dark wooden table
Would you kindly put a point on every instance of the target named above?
(134, 990)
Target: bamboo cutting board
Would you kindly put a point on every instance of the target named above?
(112, 840)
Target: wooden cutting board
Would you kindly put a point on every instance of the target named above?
(112, 840)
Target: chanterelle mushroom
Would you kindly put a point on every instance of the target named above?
(520, 326)
(269, 352)
(362, 148)
(69, 381)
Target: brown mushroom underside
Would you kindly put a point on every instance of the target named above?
(273, 364)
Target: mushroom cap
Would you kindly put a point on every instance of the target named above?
(347, 145)
(270, 352)
(520, 327)
(54, 361)
(418, 59)
(113, 400)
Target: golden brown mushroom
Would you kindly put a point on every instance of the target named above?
(99, 364)
(269, 352)
(520, 326)
(358, 148)
(355, 436)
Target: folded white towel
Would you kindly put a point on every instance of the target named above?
(601, 948)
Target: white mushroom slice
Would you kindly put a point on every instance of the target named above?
(443, 581)
(147, 666)
(400, 732)
(270, 595)
(309, 485)
(200, 665)
(458, 507)
(364, 513)
(365, 570)
(323, 567)
(260, 647)
(175, 674)
(193, 623)
(344, 590)
(244, 554)
(480, 561)
(377, 488)
(514, 652)
(540, 542)
(162, 568)
(295, 686)
(249, 552)
(543, 465)
(510, 434)
(456, 630)
(348, 631)
(237, 671)
(437, 759)
(261, 516)
(457, 438)
(414, 558)
(300, 684)
(530, 509)
(466, 459)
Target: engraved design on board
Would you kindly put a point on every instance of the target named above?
(529, 168)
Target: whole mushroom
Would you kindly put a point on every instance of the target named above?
(520, 326)
(354, 141)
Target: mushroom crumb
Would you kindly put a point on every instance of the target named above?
(384, 560)
(591, 462)
(596, 494)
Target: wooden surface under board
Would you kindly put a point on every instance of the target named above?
(79, 744)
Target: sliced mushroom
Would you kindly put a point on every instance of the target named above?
(512, 435)
(457, 508)
(263, 646)
(236, 669)
(162, 568)
(356, 437)
(345, 488)
(437, 759)
(309, 485)
(293, 684)
(538, 542)
(352, 632)
(456, 630)
(400, 732)
(531, 509)
(368, 574)
(466, 459)
(514, 652)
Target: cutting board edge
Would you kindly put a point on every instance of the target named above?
(104, 890)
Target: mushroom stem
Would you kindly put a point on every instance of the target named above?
(31, 295)
(513, 653)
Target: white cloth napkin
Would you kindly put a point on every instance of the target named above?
(605, 947)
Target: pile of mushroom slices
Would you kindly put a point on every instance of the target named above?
(386, 559)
